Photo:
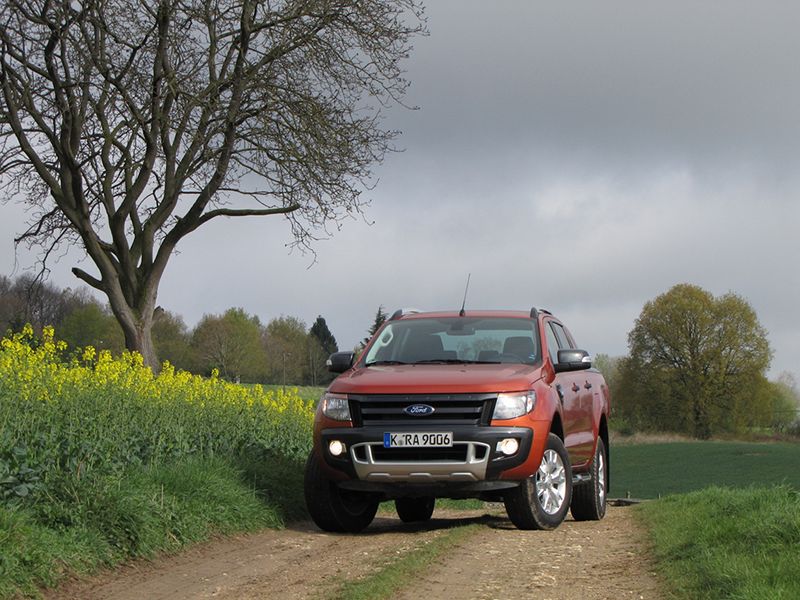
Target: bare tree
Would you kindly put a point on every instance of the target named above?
(127, 124)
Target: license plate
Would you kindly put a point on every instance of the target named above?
(418, 440)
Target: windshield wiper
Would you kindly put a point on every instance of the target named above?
(455, 361)
(444, 361)
(378, 363)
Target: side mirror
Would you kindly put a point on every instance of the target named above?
(573, 360)
(339, 362)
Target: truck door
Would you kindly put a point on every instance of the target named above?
(576, 398)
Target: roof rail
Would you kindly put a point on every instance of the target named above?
(545, 311)
(401, 312)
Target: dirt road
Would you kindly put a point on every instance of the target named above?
(589, 560)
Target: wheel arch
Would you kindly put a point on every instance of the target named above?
(557, 427)
(603, 435)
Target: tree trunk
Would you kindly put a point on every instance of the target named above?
(140, 340)
(135, 318)
(701, 424)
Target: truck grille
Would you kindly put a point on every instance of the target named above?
(449, 409)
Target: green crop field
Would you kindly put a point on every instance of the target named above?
(309, 393)
(729, 526)
(650, 470)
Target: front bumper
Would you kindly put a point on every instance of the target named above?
(473, 461)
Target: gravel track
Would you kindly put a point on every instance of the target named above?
(587, 560)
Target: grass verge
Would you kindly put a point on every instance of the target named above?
(728, 543)
(401, 570)
(650, 470)
(92, 522)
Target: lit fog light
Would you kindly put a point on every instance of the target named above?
(336, 448)
(508, 446)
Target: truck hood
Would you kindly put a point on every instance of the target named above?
(437, 379)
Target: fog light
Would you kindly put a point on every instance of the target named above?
(336, 448)
(508, 446)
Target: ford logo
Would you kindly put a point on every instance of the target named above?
(419, 410)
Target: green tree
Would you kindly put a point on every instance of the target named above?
(286, 342)
(92, 325)
(128, 124)
(321, 344)
(172, 339)
(380, 319)
(784, 402)
(230, 343)
(326, 340)
(696, 363)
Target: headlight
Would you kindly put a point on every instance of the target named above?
(336, 407)
(510, 406)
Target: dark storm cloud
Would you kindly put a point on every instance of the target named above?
(635, 81)
(584, 157)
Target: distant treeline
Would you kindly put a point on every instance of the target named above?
(237, 344)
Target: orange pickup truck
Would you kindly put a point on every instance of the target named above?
(496, 405)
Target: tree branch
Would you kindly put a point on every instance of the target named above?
(86, 278)
(255, 212)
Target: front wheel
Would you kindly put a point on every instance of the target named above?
(543, 499)
(333, 508)
(413, 510)
(589, 499)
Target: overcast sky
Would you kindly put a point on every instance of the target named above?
(582, 157)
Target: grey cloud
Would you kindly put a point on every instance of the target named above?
(584, 157)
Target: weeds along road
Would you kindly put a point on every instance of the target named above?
(587, 560)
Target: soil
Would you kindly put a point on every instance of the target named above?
(588, 560)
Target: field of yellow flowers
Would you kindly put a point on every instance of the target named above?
(60, 417)
(101, 460)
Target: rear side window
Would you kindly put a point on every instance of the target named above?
(552, 342)
(563, 340)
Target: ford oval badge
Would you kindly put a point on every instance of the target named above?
(419, 410)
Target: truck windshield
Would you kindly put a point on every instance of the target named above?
(456, 340)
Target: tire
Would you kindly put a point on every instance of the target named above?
(414, 510)
(332, 508)
(589, 499)
(543, 499)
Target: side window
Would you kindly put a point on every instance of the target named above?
(552, 343)
(563, 340)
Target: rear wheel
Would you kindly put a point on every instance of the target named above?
(411, 510)
(589, 499)
(542, 500)
(333, 508)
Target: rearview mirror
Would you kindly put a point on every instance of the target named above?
(339, 362)
(573, 360)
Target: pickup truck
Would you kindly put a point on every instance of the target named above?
(497, 405)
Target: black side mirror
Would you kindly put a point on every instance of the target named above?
(573, 360)
(339, 362)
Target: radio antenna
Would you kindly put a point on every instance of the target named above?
(464, 303)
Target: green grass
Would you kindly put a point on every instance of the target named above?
(85, 523)
(650, 470)
(401, 570)
(306, 392)
(387, 506)
(739, 544)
